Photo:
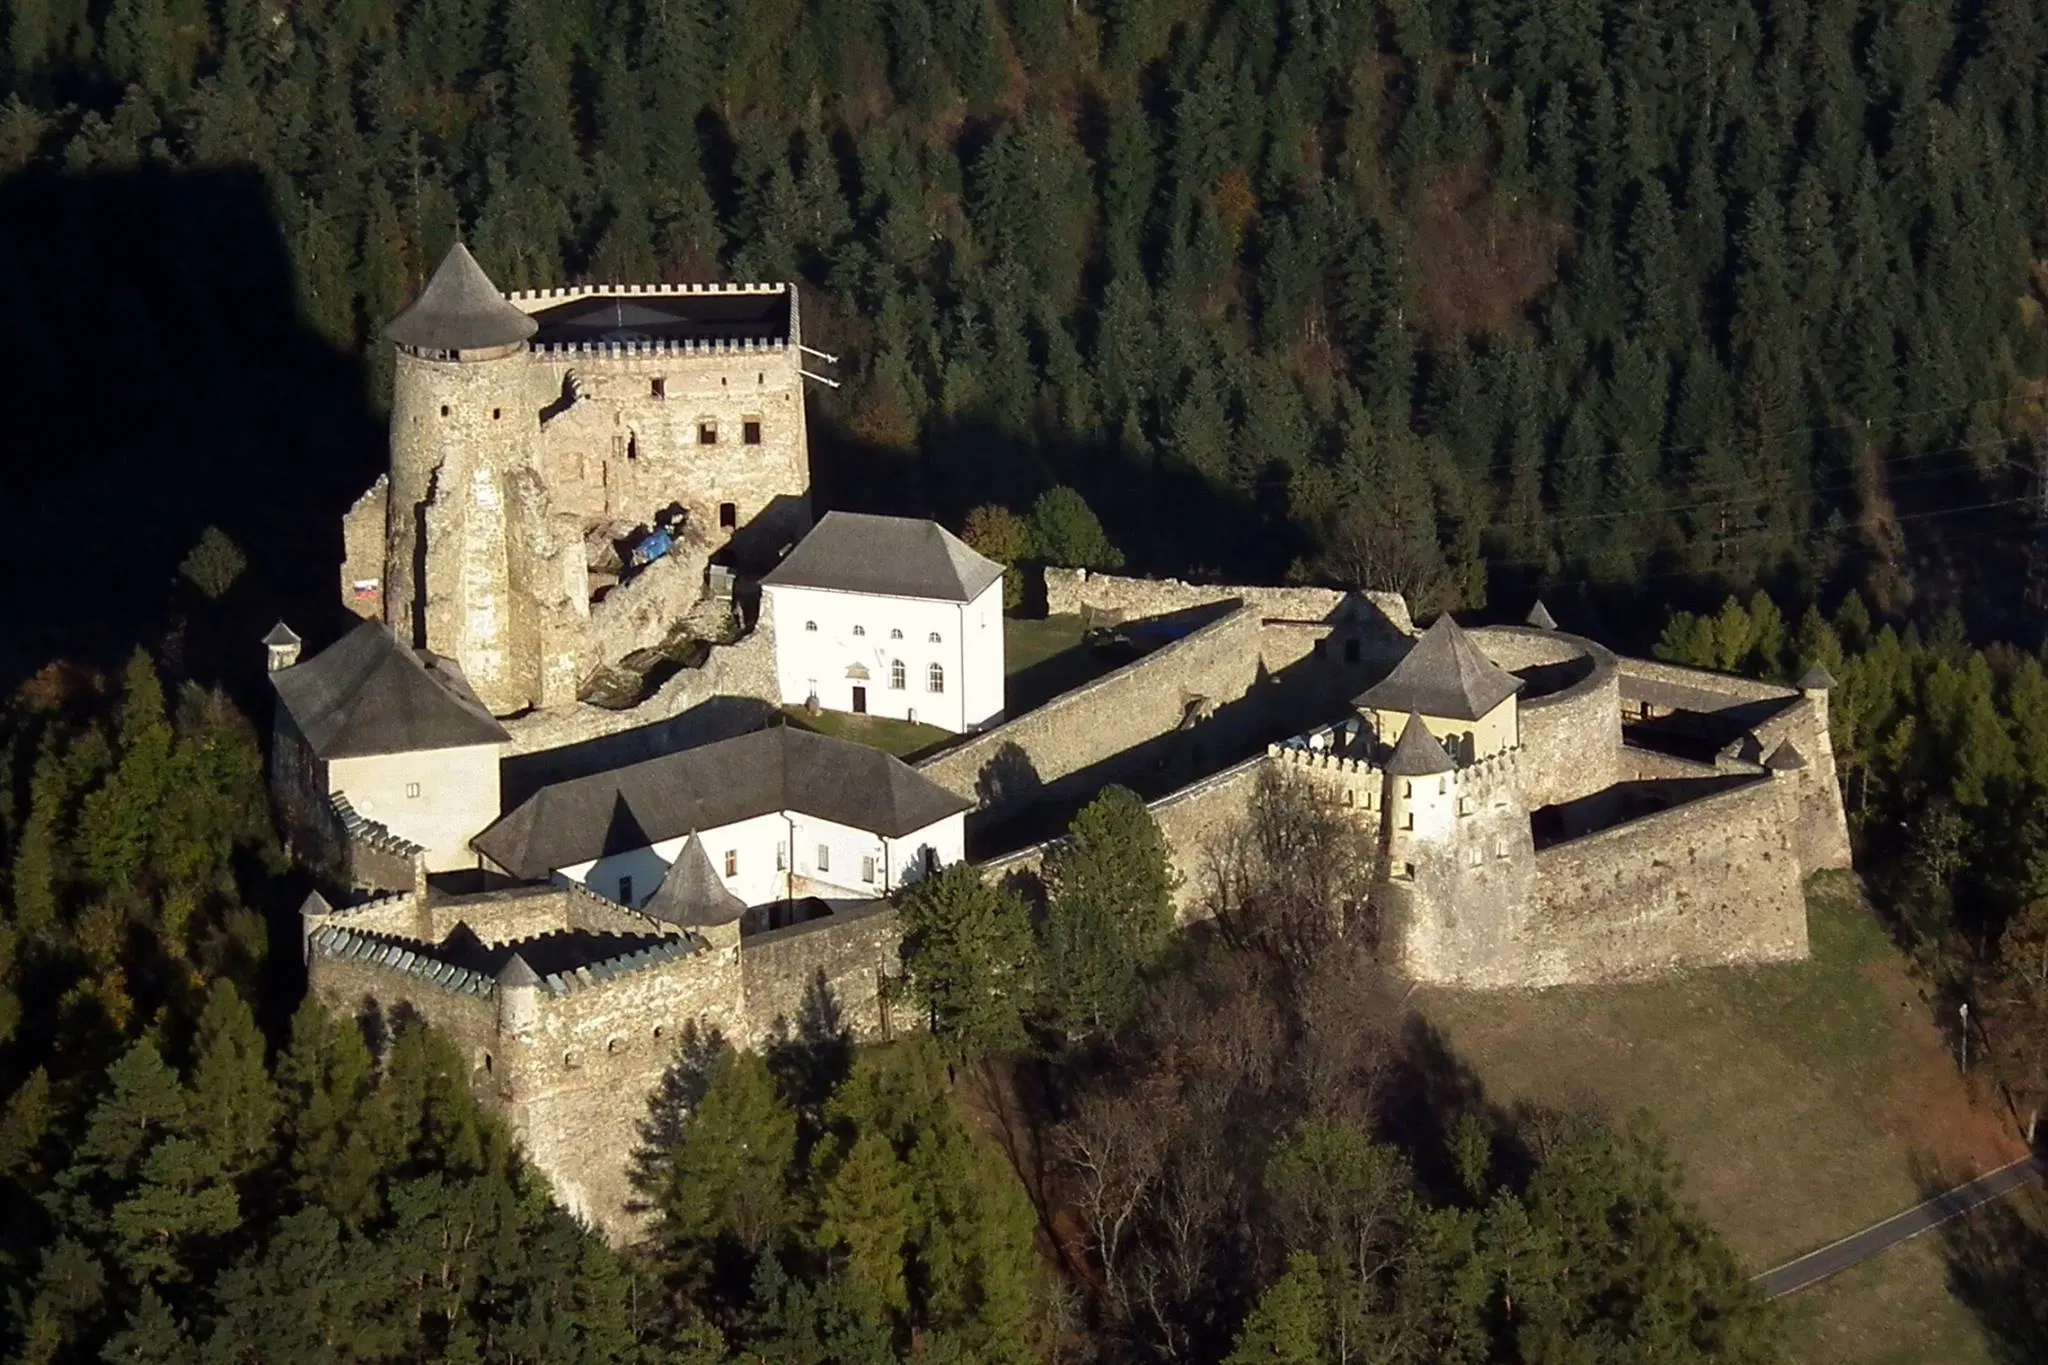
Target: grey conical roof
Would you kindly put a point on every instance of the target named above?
(1418, 754)
(1817, 679)
(281, 634)
(692, 894)
(460, 310)
(315, 904)
(1444, 675)
(515, 972)
(1786, 758)
(1540, 617)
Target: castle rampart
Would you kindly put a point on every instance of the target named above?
(1082, 592)
(844, 959)
(1570, 710)
(1708, 883)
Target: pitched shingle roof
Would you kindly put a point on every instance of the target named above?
(717, 784)
(515, 973)
(368, 694)
(692, 894)
(1540, 617)
(1418, 753)
(1817, 679)
(460, 310)
(281, 634)
(888, 556)
(1444, 675)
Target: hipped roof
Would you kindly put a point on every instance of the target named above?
(886, 556)
(772, 770)
(1444, 675)
(368, 694)
(460, 310)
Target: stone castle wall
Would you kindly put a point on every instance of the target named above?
(1195, 820)
(1710, 883)
(1099, 732)
(1571, 736)
(1113, 598)
(744, 669)
(789, 974)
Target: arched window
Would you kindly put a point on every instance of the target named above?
(895, 634)
(811, 626)
(935, 637)
(860, 630)
(935, 678)
(897, 679)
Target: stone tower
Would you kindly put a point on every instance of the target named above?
(476, 566)
(1457, 863)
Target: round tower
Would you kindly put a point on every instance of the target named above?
(464, 424)
(518, 998)
(1421, 808)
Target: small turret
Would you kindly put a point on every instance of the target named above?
(1786, 758)
(1540, 617)
(518, 997)
(460, 311)
(1817, 679)
(283, 644)
(693, 896)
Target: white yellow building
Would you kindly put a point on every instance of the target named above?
(889, 616)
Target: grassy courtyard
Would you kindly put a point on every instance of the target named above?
(1805, 1100)
(903, 738)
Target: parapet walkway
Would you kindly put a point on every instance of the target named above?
(1816, 1266)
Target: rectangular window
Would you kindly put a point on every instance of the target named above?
(867, 870)
(732, 862)
(824, 857)
(750, 431)
(781, 857)
(658, 387)
(707, 433)
(1475, 857)
(412, 789)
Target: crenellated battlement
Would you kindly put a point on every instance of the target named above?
(371, 833)
(566, 293)
(597, 975)
(346, 945)
(653, 346)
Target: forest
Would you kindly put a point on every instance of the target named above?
(1460, 297)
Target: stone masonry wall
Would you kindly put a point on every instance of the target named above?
(745, 669)
(1075, 740)
(577, 1088)
(1194, 821)
(1571, 738)
(1079, 592)
(362, 549)
(852, 954)
(1713, 882)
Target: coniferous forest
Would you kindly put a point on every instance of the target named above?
(1634, 305)
(1462, 297)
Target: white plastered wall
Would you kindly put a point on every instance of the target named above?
(829, 643)
(438, 798)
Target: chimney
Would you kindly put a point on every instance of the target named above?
(283, 644)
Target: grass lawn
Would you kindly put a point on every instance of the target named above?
(1802, 1099)
(903, 738)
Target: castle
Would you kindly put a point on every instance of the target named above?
(567, 889)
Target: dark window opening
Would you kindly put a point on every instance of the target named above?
(497, 413)
(728, 515)
(659, 387)
(444, 409)
(707, 433)
(750, 432)
(632, 447)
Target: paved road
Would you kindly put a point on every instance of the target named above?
(1816, 1266)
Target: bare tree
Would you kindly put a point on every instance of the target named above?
(1295, 875)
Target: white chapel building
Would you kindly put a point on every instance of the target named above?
(889, 616)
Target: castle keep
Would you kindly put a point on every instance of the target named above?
(568, 890)
(536, 436)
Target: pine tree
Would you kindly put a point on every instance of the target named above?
(967, 955)
(727, 1187)
(864, 1217)
(1286, 1327)
(233, 1104)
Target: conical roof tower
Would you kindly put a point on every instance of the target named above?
(460, 310)
(692, 895)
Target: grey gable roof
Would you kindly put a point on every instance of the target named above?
(368, 694)
(460, 310)
(783, 768)
(888, 556)
(692, 894)
(1444, 675)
